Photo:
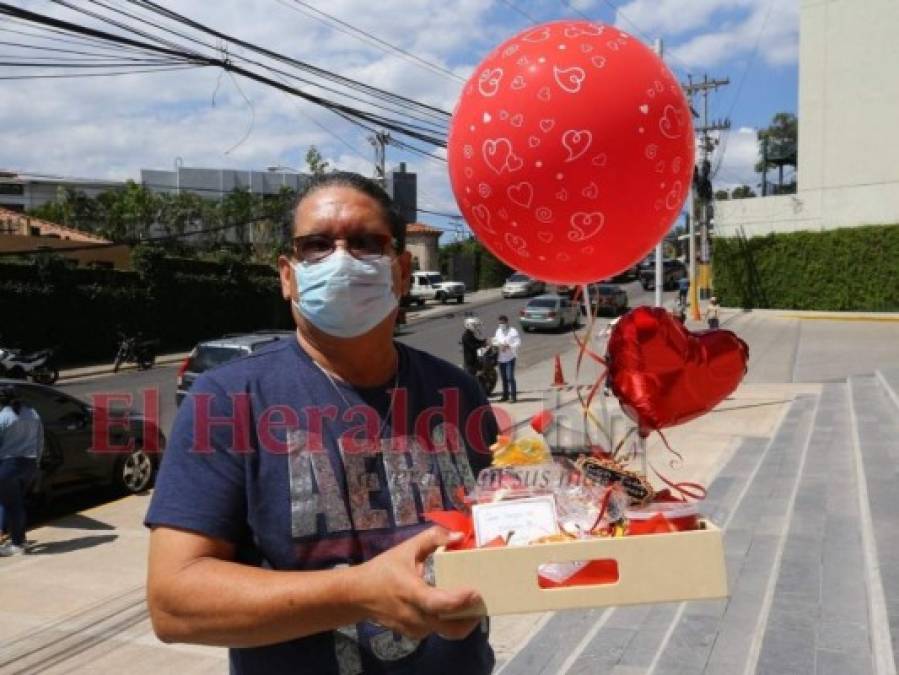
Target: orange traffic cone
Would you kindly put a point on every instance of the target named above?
(558, 379)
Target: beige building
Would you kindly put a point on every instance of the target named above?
(19, 232)
(848, 169)
(421, 242)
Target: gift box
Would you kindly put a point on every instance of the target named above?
(651, 567)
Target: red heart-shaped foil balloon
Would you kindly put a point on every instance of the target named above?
(665, 375)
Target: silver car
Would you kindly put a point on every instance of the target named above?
(548, 311)
(521, 285)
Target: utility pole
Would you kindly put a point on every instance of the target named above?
(702, 184)
(379, 142)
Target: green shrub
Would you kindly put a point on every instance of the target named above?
(847, 269)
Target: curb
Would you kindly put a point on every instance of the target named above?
(813, 315)
(92, 371)
(454, 309)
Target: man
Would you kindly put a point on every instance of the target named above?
(21, 443)
(683, 287)
(287, 518)
(507, 341)
(471, 343)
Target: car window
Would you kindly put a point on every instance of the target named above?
(607, 290)
(518, 278)
(53, 407)
(542, 303)
(260, 345)
(435, 279)
(210, 357)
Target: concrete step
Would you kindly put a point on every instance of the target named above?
(818, 617)
(875, 411)
(751, 498)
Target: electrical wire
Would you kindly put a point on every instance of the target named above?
(358, 33)
(418, 132)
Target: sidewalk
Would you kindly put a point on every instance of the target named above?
(801, 477)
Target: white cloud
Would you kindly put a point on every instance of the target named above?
(740, 150)
(715, 31)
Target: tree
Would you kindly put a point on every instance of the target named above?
(742, 192)
(721, 195)
(316, 163)
(779, 147)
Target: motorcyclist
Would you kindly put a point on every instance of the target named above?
(472, 340)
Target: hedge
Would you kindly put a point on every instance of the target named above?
(81, 310)
(853, 268)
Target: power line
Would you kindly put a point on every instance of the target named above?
(354, 31)
(518, 9)
(410, 130)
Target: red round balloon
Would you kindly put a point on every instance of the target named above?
(665, 375)
(571, 151)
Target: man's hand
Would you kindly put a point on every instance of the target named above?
(395, 595)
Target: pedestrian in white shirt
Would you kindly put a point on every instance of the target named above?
(507, 341)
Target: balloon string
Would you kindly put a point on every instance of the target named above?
(584, 349)
(674, 463)
(686, 488)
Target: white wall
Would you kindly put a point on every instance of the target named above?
(848, 124)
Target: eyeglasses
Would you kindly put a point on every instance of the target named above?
(313, 248)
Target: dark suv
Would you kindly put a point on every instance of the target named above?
(213, 353)
(672, 272)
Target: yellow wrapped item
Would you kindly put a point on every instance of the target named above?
(508, 452)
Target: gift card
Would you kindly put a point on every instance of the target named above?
(517, 521)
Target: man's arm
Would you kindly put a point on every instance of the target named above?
(196, 593)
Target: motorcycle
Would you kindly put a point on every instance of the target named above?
(39, 366)
(135, 350)
(486, 373)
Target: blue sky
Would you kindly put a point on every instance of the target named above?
(113, 127)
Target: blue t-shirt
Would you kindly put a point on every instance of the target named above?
(270, 454)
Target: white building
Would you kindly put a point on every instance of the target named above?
(22, 191)
(848, 169)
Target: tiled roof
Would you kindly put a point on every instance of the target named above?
(421, 228)
(47, 228)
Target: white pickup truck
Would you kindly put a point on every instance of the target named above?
(428, 285)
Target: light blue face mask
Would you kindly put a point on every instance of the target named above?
(344, 296)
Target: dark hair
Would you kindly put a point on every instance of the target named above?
(503, 317)
(361, 184)
(10, 397)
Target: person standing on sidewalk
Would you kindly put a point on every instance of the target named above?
(21, 443)
(683, 288)
(507, 341)
(711, 312)
(288, 521)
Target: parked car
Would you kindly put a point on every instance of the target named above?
(521, 285)
(70, 461)
(672, 272)
(444, 290)
(607, 298)
(548, 311)
(212, 353)
(420, 290)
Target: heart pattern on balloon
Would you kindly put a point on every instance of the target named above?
(576, 142)
(570, 80)
(544, 139)
(665, 375)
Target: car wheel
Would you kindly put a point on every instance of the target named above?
(419, 301)
(441, 297)
(45, 376)
(460, 299)
(134, 473)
